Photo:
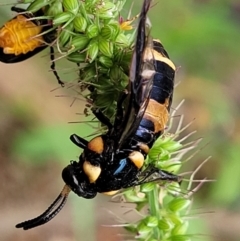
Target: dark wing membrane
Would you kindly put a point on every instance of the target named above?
(140, 46)
(140, 86)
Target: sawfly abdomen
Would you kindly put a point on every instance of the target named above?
(156, 114)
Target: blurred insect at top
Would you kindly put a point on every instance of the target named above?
(21, 38)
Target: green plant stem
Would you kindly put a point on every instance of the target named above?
(153, 203)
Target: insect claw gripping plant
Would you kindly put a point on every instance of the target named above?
(133, 151)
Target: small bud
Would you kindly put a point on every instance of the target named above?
(92, 31)
(106, 47)
(88, 73)
(71, 6)
(170, 167)
(131, 228)
(164, 224)
(106, 12)
(109, 32)
(65, 35)
(115, 73)
(174, 218)
(55, 9)
(77, 57)
(143, 230)
(80, 23)
(37, 5)
(151, 221)
(62, 18)
(106, 15)
(171, 145)
(90, 3)
(106, 61)
(80, 42)
(147, 187)
(124, 80)
(132, 197)
(92, 51)
(180, 229)
(178, 204)
(103, 70)
(122, 40)
(174, 188)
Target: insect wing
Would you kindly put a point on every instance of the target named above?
(140, 87)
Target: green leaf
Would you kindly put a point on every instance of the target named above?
(65, 35)
(62, 18)
(77, 57)
(143, 229)
(106, 61)
(164, 224)
(147, 187)
(80, 24)
(178, 204)
(92, 50)
(55, 8)
(106, 47)
(180, 238)
(71, 6)
(180, 229)
(134, 196)
(37, 5)
(151, 221)
(174, 218)
(80, 42)
(92, 31)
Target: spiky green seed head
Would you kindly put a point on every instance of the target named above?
(80, 23)
(71, 6)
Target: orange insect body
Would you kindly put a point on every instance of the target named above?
(26, 35)
(17, 36)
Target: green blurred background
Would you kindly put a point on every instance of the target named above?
(203, 39)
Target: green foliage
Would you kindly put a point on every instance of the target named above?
(203, 39)
(208, 33)
(52, 141)
(89, 34)
(225, 192)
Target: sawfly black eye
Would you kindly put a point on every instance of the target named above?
(76, 179)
